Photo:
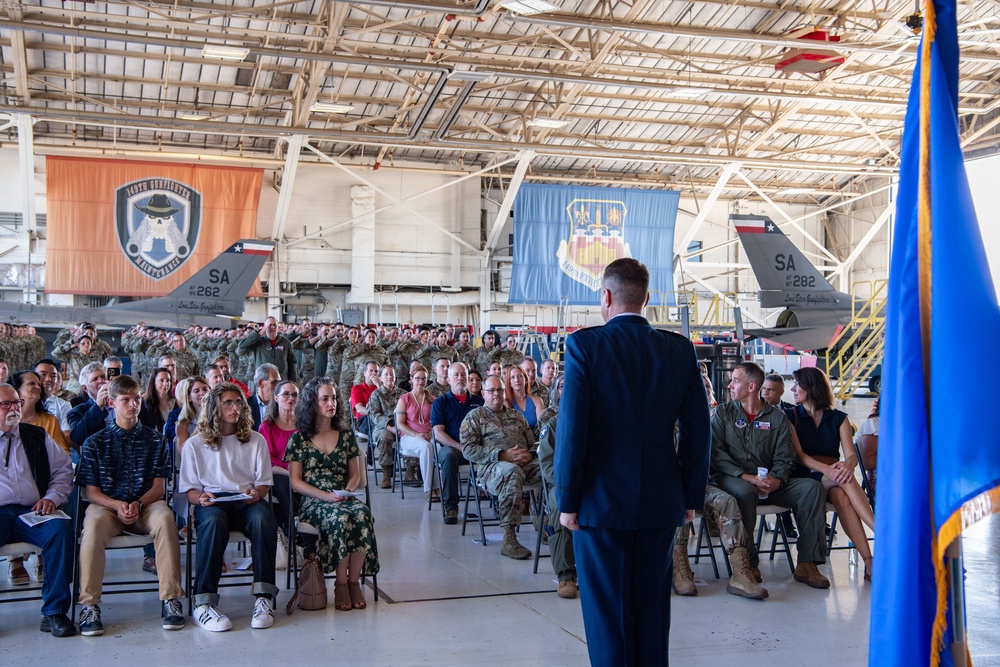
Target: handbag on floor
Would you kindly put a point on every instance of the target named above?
(310, 589)
(281, 552)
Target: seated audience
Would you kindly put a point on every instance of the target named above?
(440, 384)
(92, 414)
(48, 373)
(500, 442)
(381, 415)
(265, 378)
(748, 434)
(475, 383)
(277, 427)
(413, 422)
(225, 457)
(447, 414)
(360, 393)
(323, 458)
(34, 411)
(124, 469)
(37, 477)
(518, 397)
(534, 388)
(867, 440)
(158, 401)
(820, 435)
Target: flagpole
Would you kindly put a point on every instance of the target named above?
(956, 604)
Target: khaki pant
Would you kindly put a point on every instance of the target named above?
(101, 524)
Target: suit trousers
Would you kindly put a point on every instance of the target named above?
(625, 580)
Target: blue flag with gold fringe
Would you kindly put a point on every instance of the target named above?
(938, 467)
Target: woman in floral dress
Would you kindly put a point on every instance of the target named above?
(323, 457)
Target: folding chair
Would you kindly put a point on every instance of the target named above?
(472, 489)
(864, 477)
(301, 527)
(543, 512)
(226, 581)
(437, 476)
(779, 531)
(706, 545)
(126, 540)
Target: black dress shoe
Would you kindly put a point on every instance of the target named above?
(58, 624)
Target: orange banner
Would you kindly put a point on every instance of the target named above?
(126, 228)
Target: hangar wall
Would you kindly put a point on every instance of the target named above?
(412, 252)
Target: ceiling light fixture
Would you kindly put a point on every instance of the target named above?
(330, 107)
(528, 7)
(691, 92)
(549, 123)
(194, 115)
(469, 75)
(224, 52)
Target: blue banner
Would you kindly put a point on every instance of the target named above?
(565, 235)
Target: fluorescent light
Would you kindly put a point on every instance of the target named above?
(550, 123)
(329, 107)
(691, 92)
(224, 52)
(194, 115)
(470, 75)
(528, 7)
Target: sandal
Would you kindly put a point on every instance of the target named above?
(341, 597)
(17, 574)
(357, 595)
(868, 569)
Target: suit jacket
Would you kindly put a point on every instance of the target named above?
(626, 386)
(256, 411)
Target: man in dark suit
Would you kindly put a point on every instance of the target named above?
(265, 379)
(621, 484)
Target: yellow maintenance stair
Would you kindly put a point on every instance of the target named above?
(856, 352)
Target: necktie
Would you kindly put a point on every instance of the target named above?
(6, 458)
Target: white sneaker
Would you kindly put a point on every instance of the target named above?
(209, 617)
(263, 614)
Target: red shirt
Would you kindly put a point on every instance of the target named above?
(360, 393)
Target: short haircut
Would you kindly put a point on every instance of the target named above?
(774, 377)
(814, 382)
(46, 360)
(440, 359)
(628, 281)
(753, 372)
(86, 371)
(263, 371)
(112, 360)
(457, 365)
(123, 384)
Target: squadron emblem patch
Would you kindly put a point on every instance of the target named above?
(157, 221)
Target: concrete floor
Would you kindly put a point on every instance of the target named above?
(449, 601)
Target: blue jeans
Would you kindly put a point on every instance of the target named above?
(213, 524)
(55, 537)
(450, 459)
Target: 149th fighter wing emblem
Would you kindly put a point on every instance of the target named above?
(597, 238)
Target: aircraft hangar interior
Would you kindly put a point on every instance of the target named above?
(400, 158)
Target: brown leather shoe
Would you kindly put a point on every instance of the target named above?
(807, 573)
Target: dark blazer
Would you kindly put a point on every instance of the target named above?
(627, 385)
(85, 420)
(255, 410)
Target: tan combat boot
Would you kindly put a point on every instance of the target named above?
(511, 547)
(683, 576)
(742, 582)
(386, 482)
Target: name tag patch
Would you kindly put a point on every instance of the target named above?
(741, 423)
(763, 426)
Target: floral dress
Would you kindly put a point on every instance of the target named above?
(344, 527)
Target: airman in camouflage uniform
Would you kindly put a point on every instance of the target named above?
(488, 353)
(187, 363)
(435, 386)
(402, 352)
(381, 408)
(500, 442)
(560, 537)
(723, 510)
(76, 355)
(435, 349)
(510, 355)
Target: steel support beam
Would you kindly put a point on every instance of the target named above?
(294, 149)
(26, 161)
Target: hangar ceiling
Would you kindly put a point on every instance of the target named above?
(653, 92)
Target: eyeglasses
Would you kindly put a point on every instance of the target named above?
(7, 405)
(231, 403)
(272, 382)
(288, 395)
(498, 390)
